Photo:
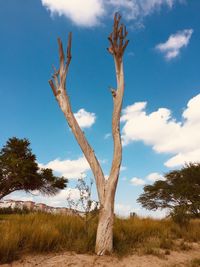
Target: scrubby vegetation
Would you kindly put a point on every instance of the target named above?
(179, 193)
(195, 262)
(10, 210)
(29, 233)
(19, 170)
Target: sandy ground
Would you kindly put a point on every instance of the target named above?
(178, 259)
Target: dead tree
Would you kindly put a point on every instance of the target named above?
(106, 188)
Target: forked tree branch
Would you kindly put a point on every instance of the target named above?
(105, 188)
(118, 44)
(58, 85)
(117, 39)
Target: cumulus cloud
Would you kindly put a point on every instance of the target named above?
(171, 48)
(163, 132)
(154, 176)
(149, 6)
(130, 9)
(124, 210)
(71, 169)
(137, 9)
(90, 12)
(137, 181)
(85, 119)
(81, 13)
(17, 196)
(59, 200)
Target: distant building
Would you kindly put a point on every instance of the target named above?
(29, 205)
(5, 204)
(40, 207)
(9, 203)
(32, 206)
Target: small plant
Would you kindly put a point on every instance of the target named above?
(84, 206)
(166, 243)
(148, 250)
(184, 246)
(167, 252)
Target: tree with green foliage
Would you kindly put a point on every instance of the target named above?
(19, 170)
(179, 192)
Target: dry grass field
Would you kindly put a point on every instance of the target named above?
(65, 239)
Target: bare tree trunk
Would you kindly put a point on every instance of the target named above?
(106, 188)
(104, 238)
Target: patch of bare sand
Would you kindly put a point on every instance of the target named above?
(67, 259)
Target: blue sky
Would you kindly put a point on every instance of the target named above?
(161, 115)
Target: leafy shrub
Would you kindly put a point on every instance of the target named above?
(180, 216)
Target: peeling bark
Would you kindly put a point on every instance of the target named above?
(104, 238)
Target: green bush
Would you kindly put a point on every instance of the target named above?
(180, 216)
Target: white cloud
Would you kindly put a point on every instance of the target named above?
(59, 200)
(91, 12)
(149, 6)
(158, 214)
(123, 168)
(17, 196)
(130, 9)
(131, 54)
(106, 176)
(171, 48)
(85, 119)
(137, 181)
(124, 210)
(137, 9)
(71, 169)
(161, 131)
(154, 176)
(184, 157)
(81, 13)
(103, 161)
(108, 135)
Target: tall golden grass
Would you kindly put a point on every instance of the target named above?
(39, 232)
